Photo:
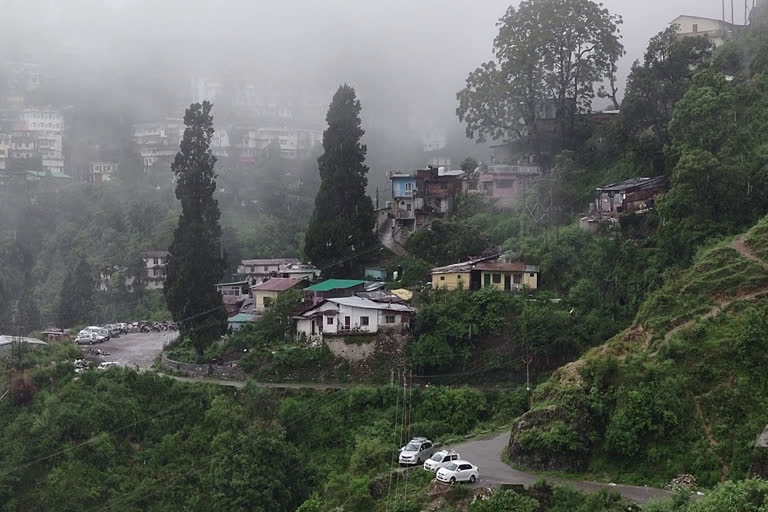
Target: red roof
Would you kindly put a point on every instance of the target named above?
(277, 284)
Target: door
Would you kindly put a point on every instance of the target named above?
(313, 328)
(507, 283)
(347, 322)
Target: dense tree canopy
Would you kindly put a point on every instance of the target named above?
(548, 52)
(196, 264)
(76, 305)
(341, 228)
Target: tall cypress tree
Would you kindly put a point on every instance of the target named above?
(195, 264)
(343, 221)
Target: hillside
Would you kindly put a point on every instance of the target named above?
(683, 390)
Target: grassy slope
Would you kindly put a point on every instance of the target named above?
(682, 390)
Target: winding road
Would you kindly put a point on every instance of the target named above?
(486, 454)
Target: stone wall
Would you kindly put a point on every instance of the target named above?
(352, 352)
(203, 370)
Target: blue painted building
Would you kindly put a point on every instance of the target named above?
(403, 185)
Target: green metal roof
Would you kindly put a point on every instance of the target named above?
(242, 318)
(335, 284)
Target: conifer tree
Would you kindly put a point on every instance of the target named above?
(76, 305)
(342, 225)
(195, 264)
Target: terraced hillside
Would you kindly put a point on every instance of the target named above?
(684, 390)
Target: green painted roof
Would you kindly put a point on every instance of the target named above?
(335, 284)
(242, 318)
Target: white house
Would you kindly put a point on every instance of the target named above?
(719, 31)
(352, 316)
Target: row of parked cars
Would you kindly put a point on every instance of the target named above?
(447, 465)
(100, 334)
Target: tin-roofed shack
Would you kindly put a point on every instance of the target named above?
(630, 196)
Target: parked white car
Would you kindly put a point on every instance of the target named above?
(440, 460)
(458, 471)
(107, 364)
(416, 451)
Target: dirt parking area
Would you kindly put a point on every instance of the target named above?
(137, 350)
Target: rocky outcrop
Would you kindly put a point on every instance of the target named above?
(554, 438)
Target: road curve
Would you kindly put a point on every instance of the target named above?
(486, 453)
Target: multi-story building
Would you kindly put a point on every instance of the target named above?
(295, 144)
(5, 147)
(507, 183)
(37, 132)
(101, 172)
(420, 196)
(155, 263)
(158, 142)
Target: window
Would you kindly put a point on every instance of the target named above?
(458, 277)
(496, 278)
(408, 186)
(532, 274)
(408, 207)
(363, 321)
(329, 321)
(487, 279)
(267, 301)
(442, 278)
(464, 467)
(266, 268)
(389, 319)
(695, 28)
(518, 278)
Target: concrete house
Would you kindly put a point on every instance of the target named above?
(352, 316)
(507, 183)
(266, 293)
(259, 270)
(155, 263)
(489, 272)
(719, 31)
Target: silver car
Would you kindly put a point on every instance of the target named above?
(416, 451)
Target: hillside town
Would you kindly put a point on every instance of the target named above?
(537, 285)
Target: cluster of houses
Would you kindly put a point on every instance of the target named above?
(330, 307)
(334, 308)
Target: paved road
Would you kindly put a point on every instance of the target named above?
(486, 453)
(136, 350)
(275, 385)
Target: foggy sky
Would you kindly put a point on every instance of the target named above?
(405, 57)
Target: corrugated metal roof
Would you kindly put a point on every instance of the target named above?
(642, 182)
(335, 284)
(242, 318)
(359, 302)
(7, 340)
(514, 266)
(279, 261)
(277, 284)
